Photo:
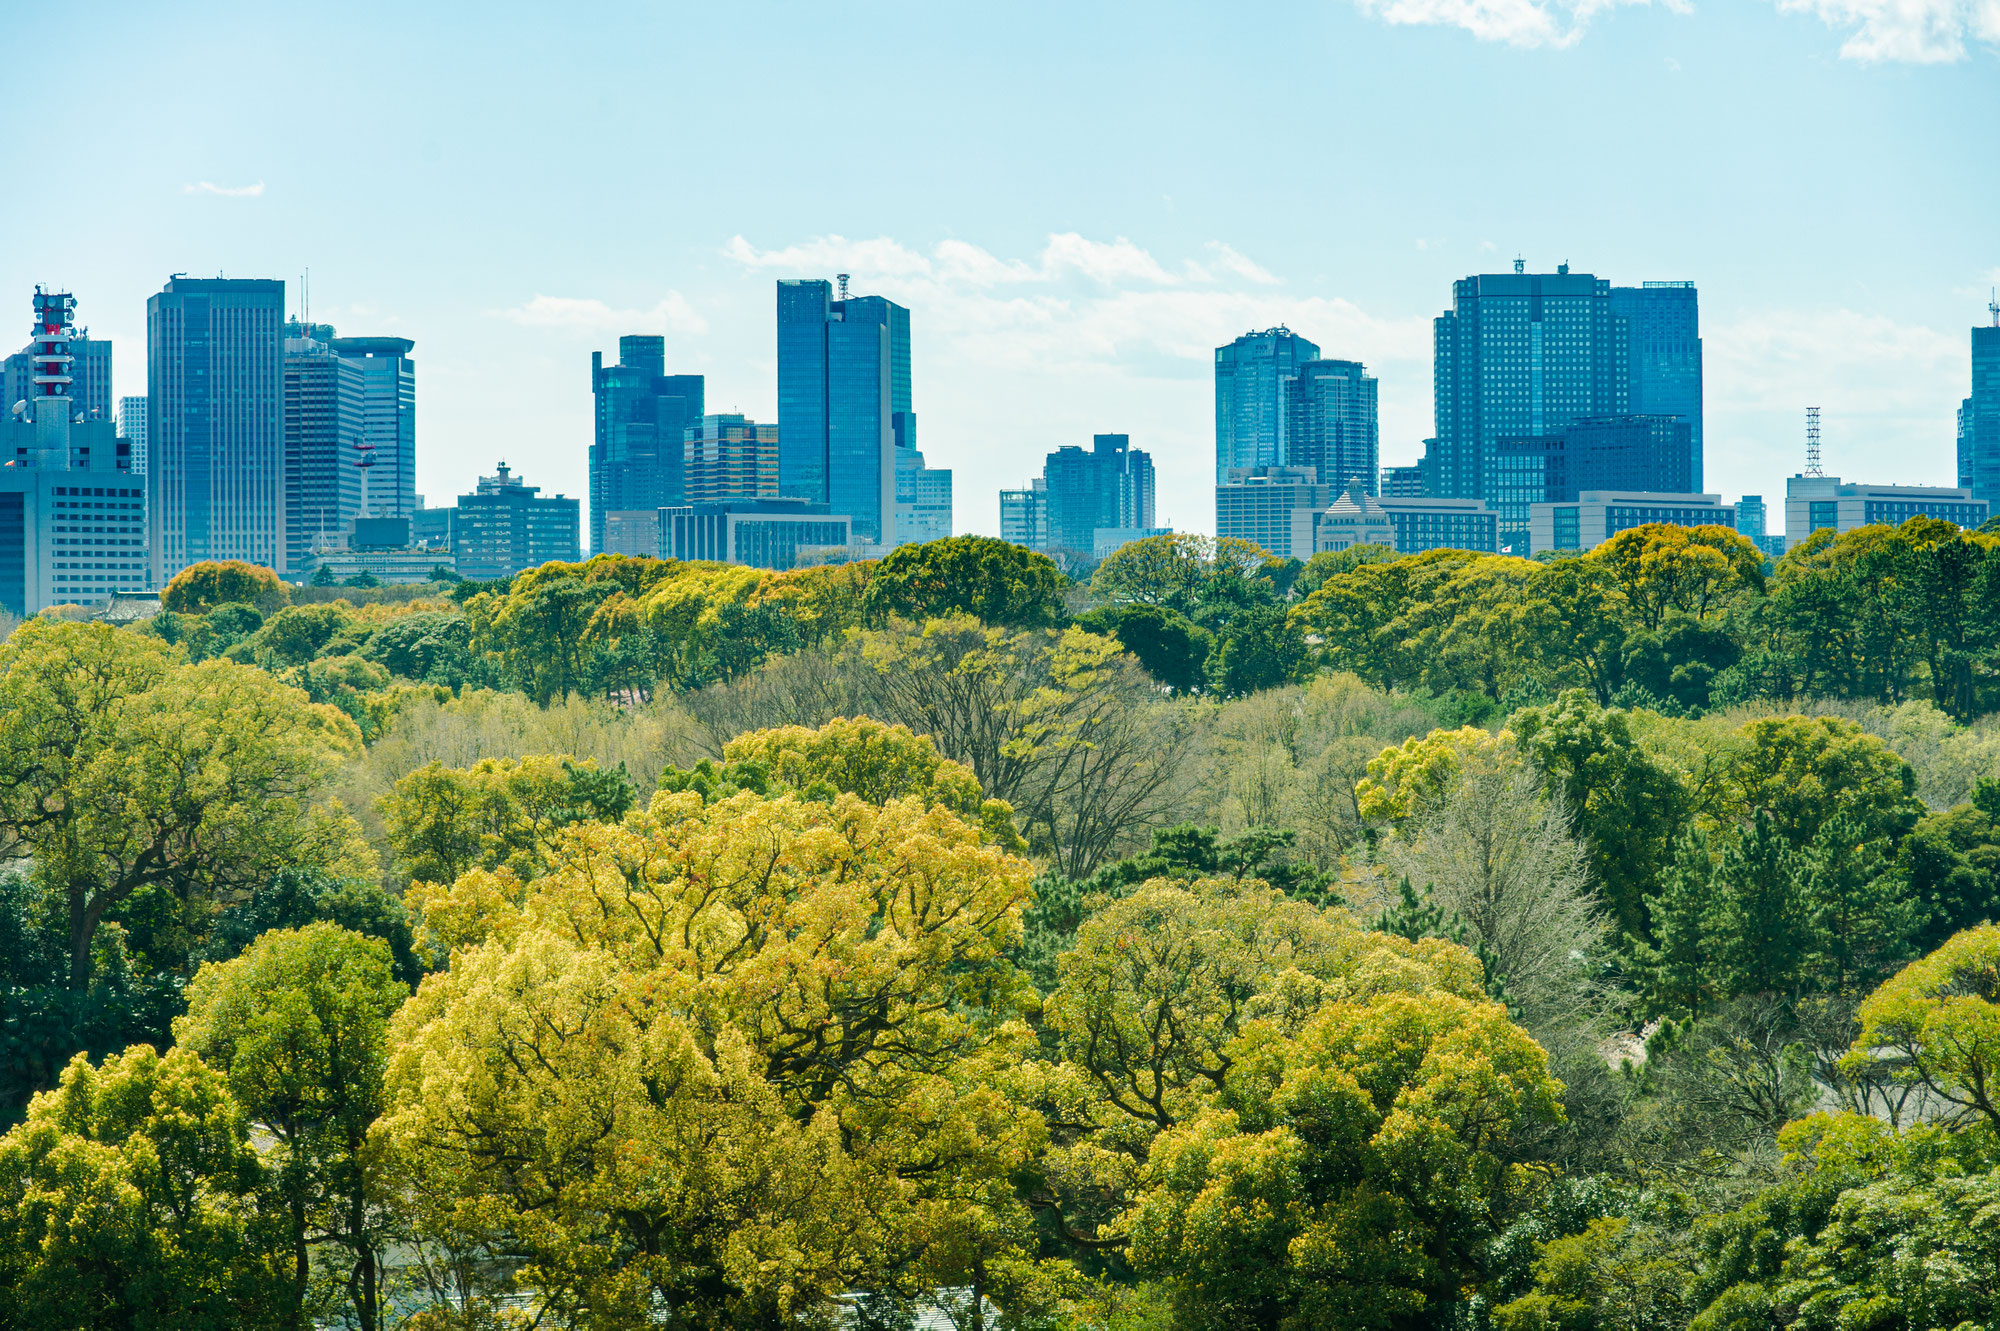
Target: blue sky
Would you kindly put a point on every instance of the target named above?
(1078, 202)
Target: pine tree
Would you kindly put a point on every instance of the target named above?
(1416, 917)
(1677, 969)
(1863, 912)
(1762, 916)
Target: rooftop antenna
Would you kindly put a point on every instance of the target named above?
(306, 297)
(1993, 306)
(1520, 264)
(1812, 443)
(842, 278)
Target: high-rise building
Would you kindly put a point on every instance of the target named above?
(1622, 453)
(505, 526)
(1663, 359)
(1426, 522)
(1274, 508)
(843, 403)
(1979, 416)
(215, 474)
(1251, 375)
(1520, 354)
(323, 425)
(1752, 523)
(1109, 486)
(1330, 423)
(641, 417)
(923, 499)
(388, 427)
(132, 429)
(72, 516)
(1024, 515)
(729, 457)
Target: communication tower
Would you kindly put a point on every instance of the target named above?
(1812, 443)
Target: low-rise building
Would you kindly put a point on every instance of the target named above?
(1426, 523)
(1599, 515)
(1104, 540)
(1355, 518)
(763, 533)
(1815, 503)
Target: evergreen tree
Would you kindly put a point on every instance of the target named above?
(1761, 916)
(1677, 969)
(1863, 913)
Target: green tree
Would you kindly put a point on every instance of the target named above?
(443, 822)
(1952, 858)
(1172, 648)
(202, 587)
(297, 1023)
(994, 581)
(1626, 804)
(1679, 968)
(133, 1198)
(1761, 917)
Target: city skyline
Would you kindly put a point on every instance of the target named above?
(1063, 286)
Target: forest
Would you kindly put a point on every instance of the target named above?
(1204, 941)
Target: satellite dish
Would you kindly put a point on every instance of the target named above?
(21, 410)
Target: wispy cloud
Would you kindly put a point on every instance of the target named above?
(1083, 305)
(585, 315)
(1917, 32)
(255, 191)
(1527, 23)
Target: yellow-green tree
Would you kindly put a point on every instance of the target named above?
(200, 588)
(877, 762)
(122, 768)
(500, 813)
(1349, 1175)
(736, 1056)
(1937, 1024)
(133, 1197)
(1662, 568)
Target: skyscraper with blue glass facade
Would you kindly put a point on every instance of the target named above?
(1663, 358)
(215, 386)
(843, 403)
(1252, 376)
(1979, 418)
(1518, 355)
(642, 416)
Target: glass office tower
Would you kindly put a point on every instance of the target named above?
(1251, 375)
(636, 452)
(1979, 418)
(1663, 359)
(1520, 354)
(215, 474)
(388, 380)
(843, 403)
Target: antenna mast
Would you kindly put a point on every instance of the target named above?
(1812, 443)
(1993, 305)
(842, 278)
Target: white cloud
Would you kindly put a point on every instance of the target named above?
(1528, 23)
(255, 191)
(571, 313)
(1888, 393)
(1919, 32)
